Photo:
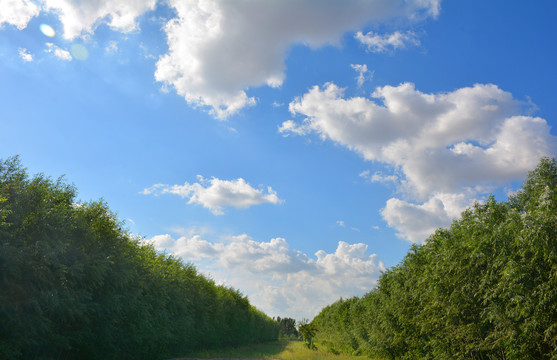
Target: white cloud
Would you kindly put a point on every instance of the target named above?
(378, 176)
(17, 12)
(279, 280)
(387, 42)
(189, 248)
(415, 222)
(112, 47)
(82, 17)
(25, 55)
(363, 73)
(445, 146)
(214, 194)
(218, 49)
(78, 17)
(341, 223)
(58, 52)
(290, 126)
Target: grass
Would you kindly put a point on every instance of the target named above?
(282, 349)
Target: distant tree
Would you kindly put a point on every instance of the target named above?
(287, 327)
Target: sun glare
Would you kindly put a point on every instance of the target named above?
(47, 30)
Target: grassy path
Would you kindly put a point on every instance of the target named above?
(278, 350)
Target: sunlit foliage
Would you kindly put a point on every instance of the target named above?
(75, 285)
(485, 288)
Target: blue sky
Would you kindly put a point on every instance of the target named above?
(291, 149)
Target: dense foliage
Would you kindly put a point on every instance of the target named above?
(485, 288)
(308, 330)
(287, 328)
(74, 284)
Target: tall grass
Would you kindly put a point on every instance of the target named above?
(282, 349)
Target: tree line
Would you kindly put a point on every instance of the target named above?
(484, 288)
(287, 328)
(75, 284)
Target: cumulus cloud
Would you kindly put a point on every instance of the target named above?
(215, 194)
(82, 17)
(25, 55)
(78, 17)
(17, 12)
(415, 222)
(218, 49)
(58, 52)
(387, 42)
(189, 248)
(280, 280)
(450, 148)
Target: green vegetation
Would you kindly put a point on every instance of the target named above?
(486, 288)
(75, 285)
(308, 330)
(282, 349)
(287, 328)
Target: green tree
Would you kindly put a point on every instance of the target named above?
(287, 327)
(484, 288)
(75, 284)
(308, 331)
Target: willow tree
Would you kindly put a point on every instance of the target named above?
(75, 284)
(484, 288)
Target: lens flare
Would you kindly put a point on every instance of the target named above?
(47, 30)
(79, 52)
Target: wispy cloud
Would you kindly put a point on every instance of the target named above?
(387, 42)
(363, 73)
(291, 127)
(378, 176)
(112, 47)
(25, 55)
(58, 52)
